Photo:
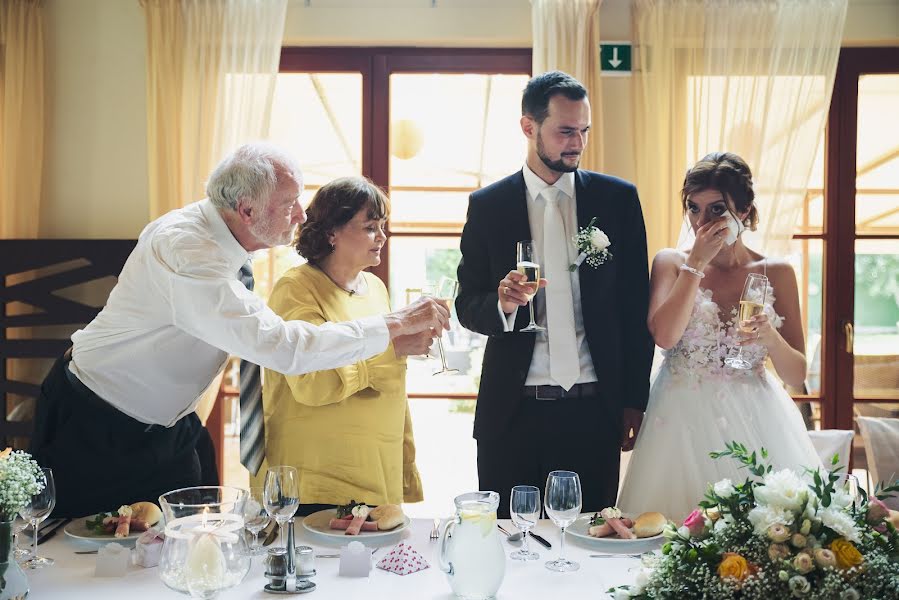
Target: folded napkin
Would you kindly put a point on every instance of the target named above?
(402, 560)
(148, 548)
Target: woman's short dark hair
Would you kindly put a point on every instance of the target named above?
(333, 206)
(541, 88)
(727, 173)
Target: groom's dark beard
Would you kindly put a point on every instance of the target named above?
(558, 166)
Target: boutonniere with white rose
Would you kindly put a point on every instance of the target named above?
(593, 244)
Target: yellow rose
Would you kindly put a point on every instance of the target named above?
(846, 554)
(5, 453)
(733, 566)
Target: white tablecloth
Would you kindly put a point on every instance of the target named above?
(72, 577)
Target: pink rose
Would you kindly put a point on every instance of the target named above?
(695, 522)
(877, 511)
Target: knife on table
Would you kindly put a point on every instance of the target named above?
(272, 534)
(540, 539)
(46, 533)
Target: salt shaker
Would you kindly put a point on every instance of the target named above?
(276, 569)
(305, 561)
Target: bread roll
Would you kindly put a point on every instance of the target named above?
(649, 524)
(387, 516)
(146, 511)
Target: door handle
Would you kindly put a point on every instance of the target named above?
(849, 333)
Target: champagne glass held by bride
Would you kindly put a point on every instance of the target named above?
(752, 303)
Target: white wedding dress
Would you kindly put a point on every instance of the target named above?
(697, 405)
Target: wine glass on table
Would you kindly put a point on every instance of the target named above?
(528, 266)
(752, 303)
(563, 506)
(524, 506)
(39, 508)
(256, 518)
(281, 496)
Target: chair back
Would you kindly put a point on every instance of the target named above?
(881, 437)
(828, 442)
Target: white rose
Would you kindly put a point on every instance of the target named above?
(599, 240)
(724, 488)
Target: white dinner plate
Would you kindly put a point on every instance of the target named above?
(611, 544)
(78, 529)
(318, 523)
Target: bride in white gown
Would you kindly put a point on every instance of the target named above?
(697, 404)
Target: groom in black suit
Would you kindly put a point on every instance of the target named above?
(571, 397)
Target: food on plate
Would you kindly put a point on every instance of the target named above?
(649, 524)
(610, 522)
(123, 528)
(387, 516)
(355, 517)
(139, 516)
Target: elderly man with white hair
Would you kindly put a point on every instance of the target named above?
(115, 419)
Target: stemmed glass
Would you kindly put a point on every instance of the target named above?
(524, 507)
(752, 303)
(281, 495)
(19, 525)
(528, 266)
(38, 509)
(255, 518)
(445, 292)
(563, 505)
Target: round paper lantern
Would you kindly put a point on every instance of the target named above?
(406, 139)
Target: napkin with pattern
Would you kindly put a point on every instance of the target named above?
(402, 560)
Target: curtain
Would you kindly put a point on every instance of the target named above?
(566, 38)
(211, 73)
(21, 117)
(752, 77)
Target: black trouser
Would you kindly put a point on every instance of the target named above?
(102, 458)
(573, 434)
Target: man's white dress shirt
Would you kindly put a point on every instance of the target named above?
(178, 311)
(538, 374)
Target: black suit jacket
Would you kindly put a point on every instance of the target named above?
(614, 296)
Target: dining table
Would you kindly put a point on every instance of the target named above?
(73, 575)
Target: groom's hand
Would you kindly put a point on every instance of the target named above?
(513, 291)
(631, 419)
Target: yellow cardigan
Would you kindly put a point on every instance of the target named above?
(348, 430)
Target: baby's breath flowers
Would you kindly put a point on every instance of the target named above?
(20, 479)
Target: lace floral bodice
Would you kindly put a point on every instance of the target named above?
(709, 339)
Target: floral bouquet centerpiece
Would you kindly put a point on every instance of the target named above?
(777, 535)
(20, 479)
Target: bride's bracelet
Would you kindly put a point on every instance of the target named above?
(689, 269)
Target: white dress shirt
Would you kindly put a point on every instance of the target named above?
(177, 312)
(538, 374)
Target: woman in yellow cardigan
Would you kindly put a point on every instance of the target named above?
(347, 431)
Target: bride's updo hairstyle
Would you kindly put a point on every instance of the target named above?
(729, 174)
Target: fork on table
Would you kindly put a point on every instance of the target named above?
(435, 530)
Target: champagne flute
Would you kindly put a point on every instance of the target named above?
(281, 496)
(752, 303)
(255, 518)
(38, 509)
(528, 266)
(524, 506)
(445, 292)
(563, 506)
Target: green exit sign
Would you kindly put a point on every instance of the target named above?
(615, 58)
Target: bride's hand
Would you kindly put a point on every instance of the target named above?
(709, 240)
(761, 332)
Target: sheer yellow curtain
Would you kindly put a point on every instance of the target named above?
(211, 72)
(748, 76)
(566, 38)
(21, 117)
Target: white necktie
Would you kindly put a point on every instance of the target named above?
(564, 366)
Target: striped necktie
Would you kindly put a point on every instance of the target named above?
(252, 425)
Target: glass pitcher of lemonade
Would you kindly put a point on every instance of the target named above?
(471, 553)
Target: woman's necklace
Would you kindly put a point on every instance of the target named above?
(352, 291)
